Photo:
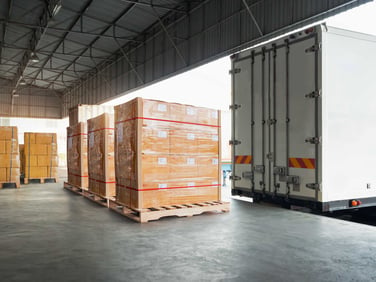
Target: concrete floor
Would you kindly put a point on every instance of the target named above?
(49, 234)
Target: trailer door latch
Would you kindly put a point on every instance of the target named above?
(234, 142)
(259, 169)
(235, 178)
(234, 107)
(234, 71)
(313, 140)
(313, 186)
(314, 94)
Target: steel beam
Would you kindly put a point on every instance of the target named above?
(5, 22)
(37, 34)
(72, 24)
(111, 24)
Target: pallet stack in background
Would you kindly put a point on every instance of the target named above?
(77, 152)
(40, 155)
(77, 155)
(9, 156)
(166, 154)
(101, 155)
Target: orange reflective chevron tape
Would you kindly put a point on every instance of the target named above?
(245, 159)
(302, 163)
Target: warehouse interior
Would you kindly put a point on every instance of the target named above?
(56, 55)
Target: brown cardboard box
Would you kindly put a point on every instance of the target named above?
(166, 154)
(101, 155)
(77, 155)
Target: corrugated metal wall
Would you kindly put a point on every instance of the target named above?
(214, 29)
(30, 102)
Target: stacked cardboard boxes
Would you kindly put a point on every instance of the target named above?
(77, 155)
(9, 156)
(166, 154)
(81, 113)
(101, 155)
(40, 154)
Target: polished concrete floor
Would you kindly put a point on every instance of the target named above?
(49, 234)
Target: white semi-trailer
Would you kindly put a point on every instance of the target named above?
(304, 119)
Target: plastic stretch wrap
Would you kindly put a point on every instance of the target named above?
(77, 155)
(81, 113)
(101, 155)
(166, 153)
(40, 155)
(9, 155)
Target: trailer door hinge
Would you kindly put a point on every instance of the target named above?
(271, 121)
(313, 48)
(234, 142)
(235, 106)
(259, 169)
(269, 156)
(235, 178)
(314, 94)
(313, 186)
(234, 71)
(313, 140)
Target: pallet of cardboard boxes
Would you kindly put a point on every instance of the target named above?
(77, 142)
(167, 160)
(9, 157)
(40, 156)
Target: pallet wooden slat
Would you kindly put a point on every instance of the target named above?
(73, 188)
(178, 210)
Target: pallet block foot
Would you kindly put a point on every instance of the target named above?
(103, 201)
(155, 213)
(9, 185)
(73, 188)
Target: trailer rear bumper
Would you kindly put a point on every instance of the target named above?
(314, 205)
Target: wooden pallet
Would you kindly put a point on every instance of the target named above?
(9, 185)
(186, 210)
(41, 180)
(103, 201)
(74, 188)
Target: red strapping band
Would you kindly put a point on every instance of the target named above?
(151, 189)
(100, 129)
(78, 134)
(167, 120)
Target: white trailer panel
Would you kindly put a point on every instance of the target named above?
(304, 112)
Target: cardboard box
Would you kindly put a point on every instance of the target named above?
(77, 162)
(166, 154)
(101, 155)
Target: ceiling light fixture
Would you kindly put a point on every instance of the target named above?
(34, 58)
(22, 81)
(57, 8)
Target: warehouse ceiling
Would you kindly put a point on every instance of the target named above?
(89, 51)
(52, 44)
